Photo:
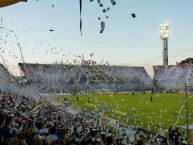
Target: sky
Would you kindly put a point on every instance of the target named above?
(125, 40)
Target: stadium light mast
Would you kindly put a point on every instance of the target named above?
(164, 35)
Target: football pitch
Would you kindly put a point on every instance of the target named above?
(165, 109)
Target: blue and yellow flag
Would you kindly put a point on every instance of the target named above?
(37, 108)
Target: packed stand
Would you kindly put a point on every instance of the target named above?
(27, 121)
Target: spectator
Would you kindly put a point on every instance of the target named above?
(92, 139)
(110, 141)
(52, 135)
(140, 142)
(176, 136)
(171, 135)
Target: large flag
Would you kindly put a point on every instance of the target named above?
(35, 111)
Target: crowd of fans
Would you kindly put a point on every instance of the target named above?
(27, 121)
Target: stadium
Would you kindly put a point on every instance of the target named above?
(89, 90)
(80, 101)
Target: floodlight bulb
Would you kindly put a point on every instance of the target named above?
(164, 30)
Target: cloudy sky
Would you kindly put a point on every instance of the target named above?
(48, 31)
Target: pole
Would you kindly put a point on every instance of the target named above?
(165, 51)
(187, 125)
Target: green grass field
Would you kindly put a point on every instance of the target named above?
(138, 110)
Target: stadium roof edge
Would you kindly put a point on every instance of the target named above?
(78, 64)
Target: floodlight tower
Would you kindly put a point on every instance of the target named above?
(164, 35)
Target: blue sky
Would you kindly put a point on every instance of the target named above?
(125, 41)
